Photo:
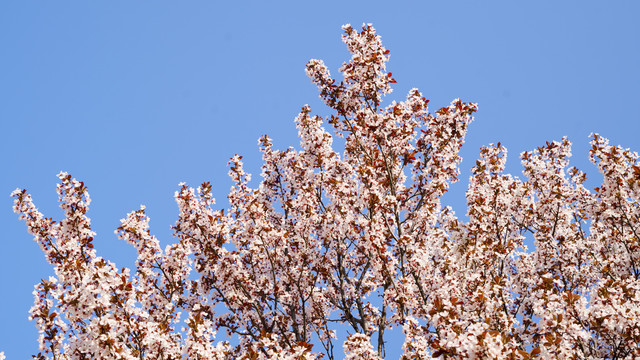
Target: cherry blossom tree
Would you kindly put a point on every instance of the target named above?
(358, 241)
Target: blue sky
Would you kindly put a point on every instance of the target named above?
(134, 97)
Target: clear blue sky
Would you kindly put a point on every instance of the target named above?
(135, 97)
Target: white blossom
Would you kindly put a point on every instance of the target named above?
(357, 238)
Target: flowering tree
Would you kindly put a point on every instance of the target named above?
(359, 242)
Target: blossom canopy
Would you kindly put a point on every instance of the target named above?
(358, 241)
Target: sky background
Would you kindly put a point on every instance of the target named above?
(134, 97)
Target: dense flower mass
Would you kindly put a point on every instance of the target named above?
(359, 242)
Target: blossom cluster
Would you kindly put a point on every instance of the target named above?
(359, 241)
